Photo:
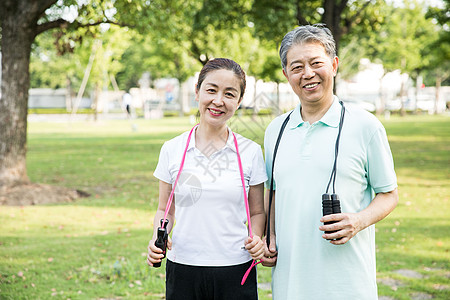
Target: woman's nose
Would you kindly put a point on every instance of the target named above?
(218, 99)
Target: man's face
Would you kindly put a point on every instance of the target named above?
(310, 72)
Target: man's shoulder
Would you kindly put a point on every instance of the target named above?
(362, 116)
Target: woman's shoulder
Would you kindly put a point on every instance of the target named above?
(177, 141)
(246, 143)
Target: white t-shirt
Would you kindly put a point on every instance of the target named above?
(210, 215)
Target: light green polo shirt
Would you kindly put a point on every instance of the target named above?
(309, 267)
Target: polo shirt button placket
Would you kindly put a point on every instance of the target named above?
(306, 153)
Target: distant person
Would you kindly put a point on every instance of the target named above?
(212, 246)
(127, 99)
(322, 248)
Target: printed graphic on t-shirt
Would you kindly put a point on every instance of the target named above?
(188, 190)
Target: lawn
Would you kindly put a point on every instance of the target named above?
(95, 248)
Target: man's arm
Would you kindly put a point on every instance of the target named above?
(349, 224)
(270, 254)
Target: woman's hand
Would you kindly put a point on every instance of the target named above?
(255, 247)
(155, 254)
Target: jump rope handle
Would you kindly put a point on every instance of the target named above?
(161, 240)
(330, 205)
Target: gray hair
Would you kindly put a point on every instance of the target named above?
(317, 33)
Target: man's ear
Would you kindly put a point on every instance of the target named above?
(285, 75)
(335, 63)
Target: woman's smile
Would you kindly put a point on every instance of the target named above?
(215, 112)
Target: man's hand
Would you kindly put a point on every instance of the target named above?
(347, 226)
(270, 254)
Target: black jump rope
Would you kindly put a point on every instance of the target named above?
(330, 202)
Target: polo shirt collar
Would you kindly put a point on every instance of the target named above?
(331, 117)
(230, 141)
(229, 144)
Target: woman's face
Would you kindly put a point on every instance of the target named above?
(218, 97)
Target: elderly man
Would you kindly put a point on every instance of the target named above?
(333, 179)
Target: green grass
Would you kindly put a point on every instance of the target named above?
(95, 248)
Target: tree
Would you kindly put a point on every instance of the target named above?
(400, 41)
(439, 50)
(273, 19)
(192, 25)
(21, 22)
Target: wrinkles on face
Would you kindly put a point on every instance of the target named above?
(310, 72)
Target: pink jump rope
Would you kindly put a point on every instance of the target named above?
(162, 233)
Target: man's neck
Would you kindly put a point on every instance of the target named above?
(313, 112)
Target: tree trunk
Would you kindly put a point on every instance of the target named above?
(382, 104)
(332, 17)
(437, 93)
(278, 99)
(16, 48)
(255, 108)
(402, 97)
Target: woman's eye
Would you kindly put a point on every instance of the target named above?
(211, 90)
(231, 95)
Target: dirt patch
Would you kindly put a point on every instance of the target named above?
(33, 194)
(421, 296)
(390, 282)
(409, 273)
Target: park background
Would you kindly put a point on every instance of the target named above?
(67, 146)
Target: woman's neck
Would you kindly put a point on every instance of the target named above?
(209, 139)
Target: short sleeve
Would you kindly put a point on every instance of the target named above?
(162, 169)
(258, 170)
(381, 173)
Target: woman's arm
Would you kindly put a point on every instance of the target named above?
(154, 253)
(255, 246)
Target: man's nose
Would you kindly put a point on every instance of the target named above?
(308, 72)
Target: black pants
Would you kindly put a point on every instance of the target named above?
(184, 282)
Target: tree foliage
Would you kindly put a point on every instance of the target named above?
(174, 38)
(439, 50)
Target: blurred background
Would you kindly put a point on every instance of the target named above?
(91, 89)
(394, 55)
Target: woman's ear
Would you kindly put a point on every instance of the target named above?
(196, 92)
